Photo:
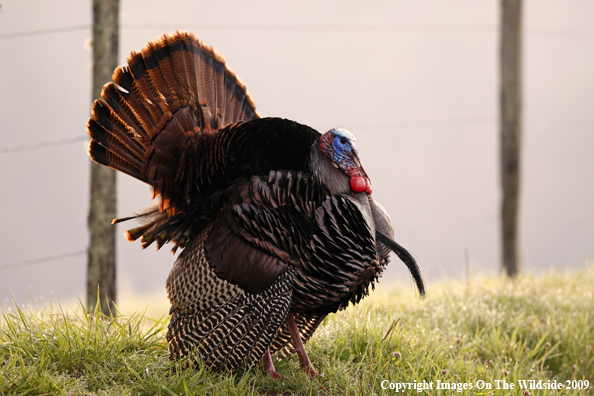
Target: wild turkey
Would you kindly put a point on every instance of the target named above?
(277, 222)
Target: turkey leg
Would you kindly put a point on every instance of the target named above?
(269, 366)
(299, 348)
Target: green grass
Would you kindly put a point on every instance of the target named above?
(533, 328)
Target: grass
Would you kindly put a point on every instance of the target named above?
(532, 328)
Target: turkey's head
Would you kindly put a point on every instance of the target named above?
(338, 146)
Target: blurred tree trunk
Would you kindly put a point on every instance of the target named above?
(510, 124)
(101, 265)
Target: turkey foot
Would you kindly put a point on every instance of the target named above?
(299, 348)
(269, 366)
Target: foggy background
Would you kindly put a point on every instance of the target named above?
(415, 81)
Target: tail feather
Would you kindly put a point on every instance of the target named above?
(238, 106)
(104, 156)
(230, 85)
(220, 93)
(116, 98)
(154, 102)
(118, 136)
(135, 100)
(157, 57)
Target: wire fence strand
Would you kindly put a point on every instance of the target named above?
(317, 27)
(45, 259)
(45, 32)
(42, 145)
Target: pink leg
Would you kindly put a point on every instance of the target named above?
(269, 366)
(299, 348)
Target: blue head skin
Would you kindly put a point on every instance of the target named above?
(338, 145)
(345, 152)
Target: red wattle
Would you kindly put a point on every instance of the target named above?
(369, 188)
(359, 184)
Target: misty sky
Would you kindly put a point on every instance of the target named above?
(415, 81)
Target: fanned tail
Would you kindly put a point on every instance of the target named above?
(162, 111)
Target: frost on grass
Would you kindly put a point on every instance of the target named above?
(529, 328)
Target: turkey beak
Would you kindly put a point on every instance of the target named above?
(354, 156)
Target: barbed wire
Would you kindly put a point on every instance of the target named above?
(317, 27)
(41, 145)
(44, 259)
(43, 32)
(124, 247)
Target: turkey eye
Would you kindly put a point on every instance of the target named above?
(343, 140)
